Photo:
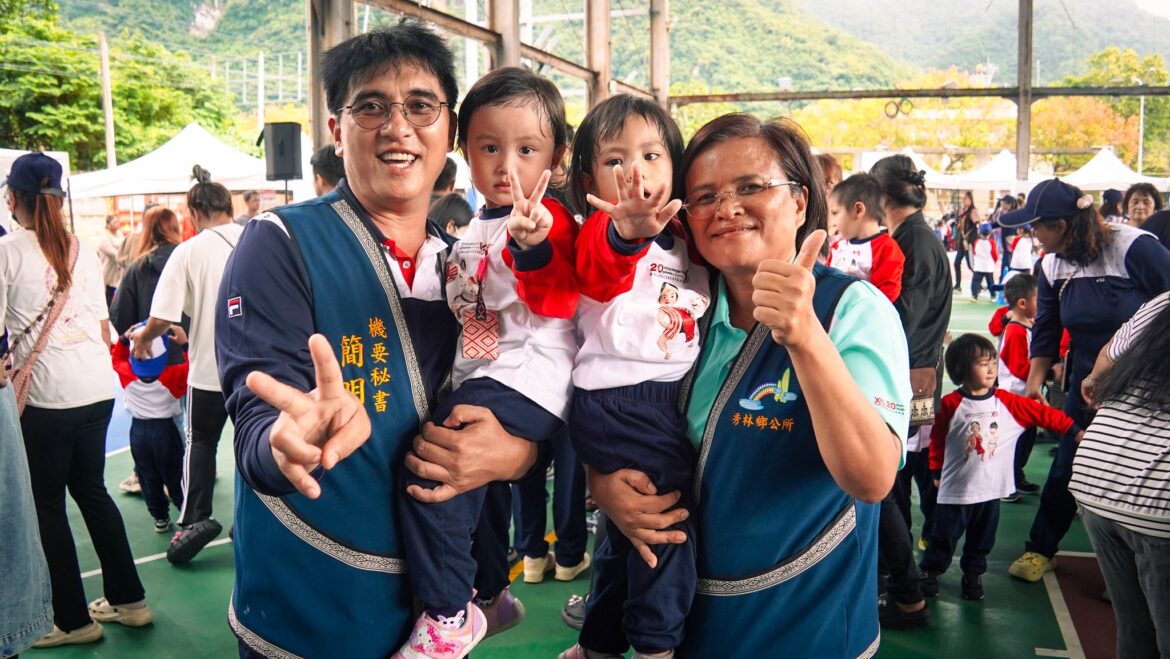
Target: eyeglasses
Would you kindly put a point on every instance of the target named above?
(706, 204)
(373, 114)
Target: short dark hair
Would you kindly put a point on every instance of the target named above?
(249, 194)
(1142, 188)
(328, 165)
(864, 188)
(963, 352)
(447, 176)
(790, 144)
(514, 85)
(450, 208)
(361, 58)
(608, 118)
(1020, 286)
(902, 182)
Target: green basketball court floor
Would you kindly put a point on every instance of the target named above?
(190, 602)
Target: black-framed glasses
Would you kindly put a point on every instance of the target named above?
(373, 114)
(704, 205)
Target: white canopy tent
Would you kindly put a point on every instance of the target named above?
(1105, 170)
(998, 174)
(934, 178)
(167, 169)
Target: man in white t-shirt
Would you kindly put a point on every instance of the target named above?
(190, 284)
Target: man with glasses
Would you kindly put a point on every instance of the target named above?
(341, 297)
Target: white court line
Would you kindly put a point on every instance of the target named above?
(1046, 652)
(155, 557)
(1063, 618)
(118, 450)
(1076, 554)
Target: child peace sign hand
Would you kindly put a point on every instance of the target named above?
(530, 221)
(637, 213)
(783, 294)
(322, 427)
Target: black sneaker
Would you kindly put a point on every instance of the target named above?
(928, 583)
(1028, 488)
(972, 587)
(191, 539)
(1011, 498)
(891, 616)
(162, 525)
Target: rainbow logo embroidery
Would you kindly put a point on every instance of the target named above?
(778, 391)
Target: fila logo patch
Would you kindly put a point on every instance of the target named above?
(235, 307)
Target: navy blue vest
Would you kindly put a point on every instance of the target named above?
(784, 553)
(345, 544)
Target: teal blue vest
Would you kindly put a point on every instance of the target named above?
(324, 578)
(784, 553)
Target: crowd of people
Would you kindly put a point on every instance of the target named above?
(679, 328)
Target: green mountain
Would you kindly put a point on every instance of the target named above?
(936, 34)
(734, 45)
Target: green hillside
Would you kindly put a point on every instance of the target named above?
(936, 34)
(710, 42)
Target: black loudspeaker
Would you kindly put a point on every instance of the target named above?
(282, 150)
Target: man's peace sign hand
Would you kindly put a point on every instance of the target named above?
(321, 427)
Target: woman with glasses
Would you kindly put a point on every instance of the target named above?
(797, 406)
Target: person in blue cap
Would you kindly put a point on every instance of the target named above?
(1111, 208)
(1094, 276)
(52, 300)
(153, 387)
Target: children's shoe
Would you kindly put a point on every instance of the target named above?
(504, 613)
(1032, 566)
(536, 568)
(573, 571)
(191, 539)
(130, 485)
(892, 616)
(162, 525)
(928, 583)
(1028, 488)
(444, 638)
(1011, 498)
(90, 633)
(101, 609)
(972, 587)
(573, 612)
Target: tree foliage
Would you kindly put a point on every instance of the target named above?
(50, 93)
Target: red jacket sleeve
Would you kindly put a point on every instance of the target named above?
(174, 378)
(1031, 413)
(888, 262)
(1015, 241)
(603, 272)
(544, 274)
(999, 321)
(994, 251)
(1014, 352)
(120, 355)
(1064, 343)
(940, 429)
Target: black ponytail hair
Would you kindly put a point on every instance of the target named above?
(902, 182)
(208, 198)
(1143, 372)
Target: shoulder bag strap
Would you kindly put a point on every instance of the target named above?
(22, 377)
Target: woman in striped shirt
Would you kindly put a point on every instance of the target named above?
(1120, 477)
